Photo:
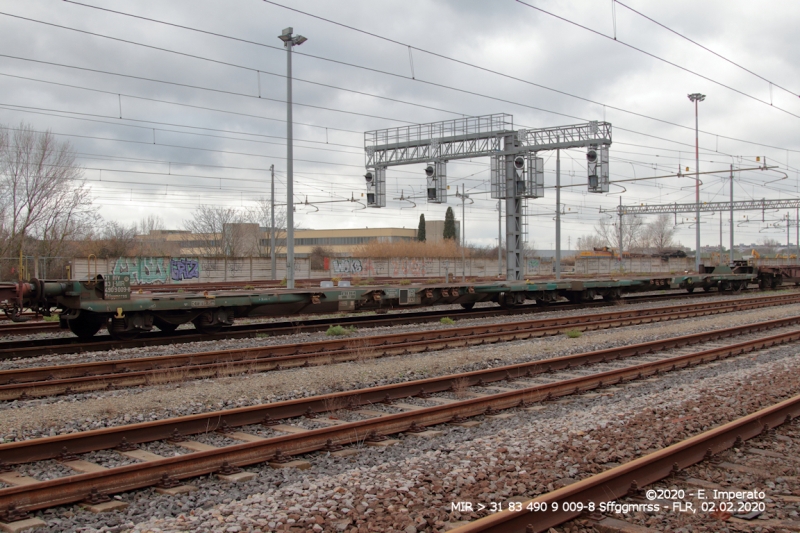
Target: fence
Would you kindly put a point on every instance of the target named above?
(634, 265)
(33, 267)
(177, 270)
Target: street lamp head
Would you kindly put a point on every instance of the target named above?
(286, 35)
(697, 97)
(299, 40)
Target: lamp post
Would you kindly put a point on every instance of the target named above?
(697, 97)
(289, 42)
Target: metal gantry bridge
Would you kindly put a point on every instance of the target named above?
(705, 207)
(742, 205)
(517, 173)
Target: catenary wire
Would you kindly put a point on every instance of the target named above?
(378, 71)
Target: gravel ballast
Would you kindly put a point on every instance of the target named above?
(409, 487)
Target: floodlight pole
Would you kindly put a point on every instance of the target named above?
(697, 97)
(273, 259)
(289, 42)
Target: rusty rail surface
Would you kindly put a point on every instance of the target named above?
(651, 468)
(77, 487)
(85, 377)
(28, 328)
(69, 345)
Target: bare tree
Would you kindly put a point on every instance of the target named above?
(117, 240)
(261, 214)
(221, 231)
(44, 203)
(660, 233)
(633, 233)
(768, 245)
(590, 242)
(149, 224)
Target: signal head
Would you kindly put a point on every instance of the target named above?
(429, 171)
(368, 177)
(519, 162)
(591, 156)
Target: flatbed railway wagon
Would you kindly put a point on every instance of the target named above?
(86, 306)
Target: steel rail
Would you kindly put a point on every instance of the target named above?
(34, 348)
(78, 487)
(85, 377)
(617, 482)
(106, 438)
(27, 328)
(55, 346)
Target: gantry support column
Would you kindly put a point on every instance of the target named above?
(514, 270)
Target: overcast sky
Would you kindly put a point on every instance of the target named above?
(209, 120)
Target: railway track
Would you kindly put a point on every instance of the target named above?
(274, 433)
(626, 482)
(27, 383)
(67, 345)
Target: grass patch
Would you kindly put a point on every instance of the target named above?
(249, 287)
(447, 321)
(574, 333)
(262, 335)
(405, 282)
(51, 318)
(338, 331)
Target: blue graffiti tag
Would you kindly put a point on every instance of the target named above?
(185, 269)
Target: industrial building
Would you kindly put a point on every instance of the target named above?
(243, 240)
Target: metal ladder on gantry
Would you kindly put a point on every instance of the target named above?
(517, 172)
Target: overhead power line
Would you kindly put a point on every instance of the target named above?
(508, 76)
(392, 74)
(52, 113)
(222, 91)
(668, 62)
(707, 49)
(120, 94)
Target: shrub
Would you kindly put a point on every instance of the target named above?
(249, 287)
(51, 318)
(405, 282)
(338, 331)
(447, 321)
(283, 282)
(574, 333)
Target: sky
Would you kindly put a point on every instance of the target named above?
(172, 104)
